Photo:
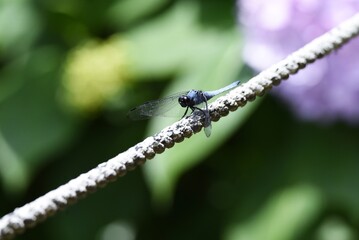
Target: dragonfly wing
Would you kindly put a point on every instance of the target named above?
(208, 130)
(154, 108)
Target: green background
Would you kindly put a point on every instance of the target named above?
(263, 174)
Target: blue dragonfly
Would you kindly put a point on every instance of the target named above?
(189, 99)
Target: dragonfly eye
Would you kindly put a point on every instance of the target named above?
(183, 101)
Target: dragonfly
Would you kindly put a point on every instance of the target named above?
(191, 100)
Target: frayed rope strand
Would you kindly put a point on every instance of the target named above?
(40, 209)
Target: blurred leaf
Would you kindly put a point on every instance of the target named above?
(126, 12)
(11, 78)
(214, 64)
(162, 46)
(328, 158)
(13, 171)
(335, 228)
(24, 26)
(31, 122)
(170, 42)
(284, 217)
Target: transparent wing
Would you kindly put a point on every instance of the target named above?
(159, 107)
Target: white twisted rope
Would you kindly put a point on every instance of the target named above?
(40, 209)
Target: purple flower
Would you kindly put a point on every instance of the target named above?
(328, 90)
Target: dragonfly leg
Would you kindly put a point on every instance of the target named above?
(185, 113)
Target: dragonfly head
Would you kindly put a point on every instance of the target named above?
(184, 101)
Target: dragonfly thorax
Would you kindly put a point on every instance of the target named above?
(192, 98)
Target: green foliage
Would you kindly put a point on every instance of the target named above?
(294, 208)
